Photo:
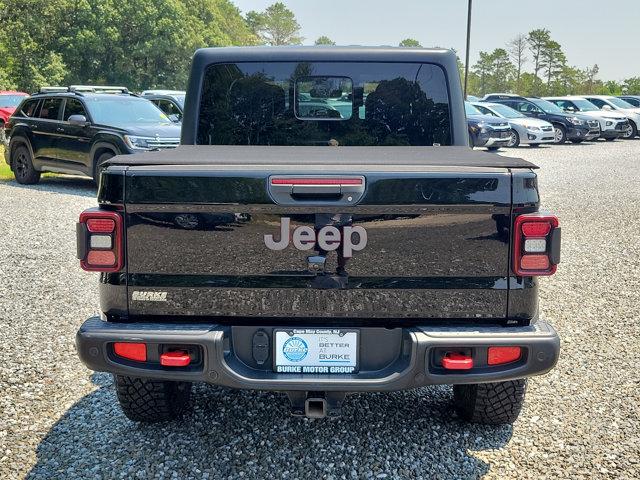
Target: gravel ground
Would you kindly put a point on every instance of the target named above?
(59, 420)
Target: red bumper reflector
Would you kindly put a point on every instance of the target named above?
(502, 355)
(175, 359)
(101, 258)
(131, 351)
(456, 361)
(534, 262)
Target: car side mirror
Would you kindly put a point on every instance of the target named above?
(175, 118)
(607, 107)
(570, 109)
(79, 120)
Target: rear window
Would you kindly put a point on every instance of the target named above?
(324, 103)
(28, 108)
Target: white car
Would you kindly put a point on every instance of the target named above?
(524, 130)
(610, 103)
(612, 124)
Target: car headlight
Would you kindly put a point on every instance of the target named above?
(608, 123)
(137, 143)
(576, 121)
(532, 127)
(483, 127)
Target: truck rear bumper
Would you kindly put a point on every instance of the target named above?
(417, 363)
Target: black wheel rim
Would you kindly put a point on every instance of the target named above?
(21, 165)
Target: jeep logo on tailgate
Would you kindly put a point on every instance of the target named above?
(328, 238)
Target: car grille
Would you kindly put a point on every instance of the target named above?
(158, 143)
(622, 126)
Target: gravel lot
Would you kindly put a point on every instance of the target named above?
(59, 420)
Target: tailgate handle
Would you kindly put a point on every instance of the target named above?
(316, 189)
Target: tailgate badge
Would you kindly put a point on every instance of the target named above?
(316, 263)
(148, 296)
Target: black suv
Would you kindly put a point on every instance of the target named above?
(76, 129)
(576, 128)
(171, 102)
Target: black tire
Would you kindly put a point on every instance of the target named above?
(103, 157)
(490, 403)
(631, 132)
(560, 134)
(148, 400)
(577, 140)
(534, 145)
(22, 166)
(515, 140)
(492, 149)
(610, 139)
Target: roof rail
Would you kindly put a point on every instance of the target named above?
(53, 89)
(98, 89)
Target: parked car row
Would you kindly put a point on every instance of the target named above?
(76, 129)
(534, 121)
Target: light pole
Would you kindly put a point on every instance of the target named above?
(466, 60)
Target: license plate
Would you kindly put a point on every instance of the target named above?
(310, 350)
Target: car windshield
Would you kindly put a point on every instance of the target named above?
(11, 100)
(584, 105)
(546, 106)
(471, 110)
(618, 102)
(118, 111)
(506, 112)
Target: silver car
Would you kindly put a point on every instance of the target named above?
(524, 130)
(615, 105)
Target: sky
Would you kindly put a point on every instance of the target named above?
(590, 31)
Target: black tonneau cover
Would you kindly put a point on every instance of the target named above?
(262, 155)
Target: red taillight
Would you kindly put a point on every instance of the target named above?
(100, 225)
(316, 181)
(502, 355)
(100, 240)
(131, 351)
(536, 245)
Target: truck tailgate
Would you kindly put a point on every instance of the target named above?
(205, 240)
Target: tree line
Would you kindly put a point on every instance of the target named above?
(535, 64)
(149, 43)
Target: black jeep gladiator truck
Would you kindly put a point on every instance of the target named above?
(323, 229)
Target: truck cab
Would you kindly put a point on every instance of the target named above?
(324, 228)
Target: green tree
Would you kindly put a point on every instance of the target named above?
(553, 60)
(494, 72)
(631, 86)
(324, 40)
(277, 25)
(537, 40)
(138, 43)
(410, 42)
